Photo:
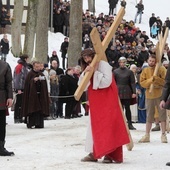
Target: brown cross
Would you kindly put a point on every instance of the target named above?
(159, 51)
(100, 48)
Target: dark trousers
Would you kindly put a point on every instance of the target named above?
(69, 108)
(111, 11)
(17, 111)
(60, 109)
(58, 28)
(53, 108)
(126, 105)
(63, 63)
(2, 125)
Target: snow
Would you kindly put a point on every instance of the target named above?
(60, 145)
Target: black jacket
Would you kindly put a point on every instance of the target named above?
(152, 20)
(67, 87)
(5, 84)
(4, 46)
(140, 7)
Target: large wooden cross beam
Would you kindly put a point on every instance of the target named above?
(100, 48)
(100, 55)
(159, 51)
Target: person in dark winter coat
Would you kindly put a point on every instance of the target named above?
(167, 22)
(55, 66)
(166, 92)
(112, 6)
(63, 49)
(112, 57)
(35, 105)
(4, 19)
(66, 26)
(5, 102)
(140, 8)
(159, 24)
(54, 57)
(129, 38)
(142, 57)
(68, 86)
(152, 20)
(20, 74)
(58, 21)
(123, 3)
(4, 44)
(143, 35)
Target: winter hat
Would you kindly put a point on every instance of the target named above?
(165, 62)
(45, 65)
(52, 72)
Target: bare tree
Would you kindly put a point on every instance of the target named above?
(30, 28)
(75, 35)
(16, 27)
(91, 6)
(41, 48)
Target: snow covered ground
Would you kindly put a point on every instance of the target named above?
(60, 145)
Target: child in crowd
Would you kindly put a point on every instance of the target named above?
(54, 92)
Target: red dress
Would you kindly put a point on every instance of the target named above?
(108, 127)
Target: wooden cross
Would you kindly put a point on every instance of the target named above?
(159, 51)
(99, 54)
(100, 48)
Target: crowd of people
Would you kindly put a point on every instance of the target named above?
(41, 91)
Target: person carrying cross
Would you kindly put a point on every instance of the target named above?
(107, 132)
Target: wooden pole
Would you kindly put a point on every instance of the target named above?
(97, 58)
(159, 51)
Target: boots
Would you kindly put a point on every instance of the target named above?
(130, 126)
(3, 151)
(156, 128)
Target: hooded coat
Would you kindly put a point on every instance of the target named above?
(32, 101)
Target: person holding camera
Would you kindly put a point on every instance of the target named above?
(140, 8)
(35, 105)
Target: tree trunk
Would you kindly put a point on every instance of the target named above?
(8, 5)
(30, 28)
(16, 28)
(41, 48)
(91, 6)
(0, 5)
(75, 35)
